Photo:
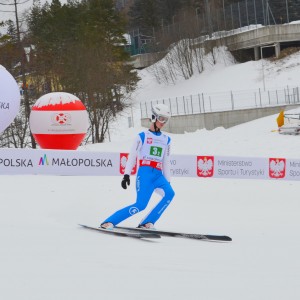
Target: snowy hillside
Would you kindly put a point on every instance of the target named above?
(224, 76)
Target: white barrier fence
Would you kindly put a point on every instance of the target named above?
(225, 101)
(85, 163)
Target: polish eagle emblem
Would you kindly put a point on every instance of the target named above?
(205, 166)
(277, 167)
(123, 162)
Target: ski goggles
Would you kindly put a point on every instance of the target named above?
(162, 119)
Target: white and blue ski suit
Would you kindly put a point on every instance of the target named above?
(153, 152)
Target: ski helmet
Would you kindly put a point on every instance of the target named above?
(161, 113)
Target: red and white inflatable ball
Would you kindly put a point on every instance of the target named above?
(59, 121)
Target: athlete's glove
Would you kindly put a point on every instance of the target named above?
(125, 181)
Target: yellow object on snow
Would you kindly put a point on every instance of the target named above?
(280, 119)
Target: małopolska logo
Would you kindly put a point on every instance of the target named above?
(44, 161)
(277, 167)
(205, 166)
(61, 118)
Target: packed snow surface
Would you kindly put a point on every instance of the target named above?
(46, 255)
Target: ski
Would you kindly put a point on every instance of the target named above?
(195, 236)
(124, 232)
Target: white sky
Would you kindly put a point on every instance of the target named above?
(45, 255)
(7, 11)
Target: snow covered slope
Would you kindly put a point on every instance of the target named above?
(46, 255)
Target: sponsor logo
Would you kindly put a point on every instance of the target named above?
(75, 162)
(82, 162)
(277, 167)
(61, 119)
(205, 166)
(159, 165)
(43, 161)
(18, 162)
(4, 105)
(133, 210)
(138, 184)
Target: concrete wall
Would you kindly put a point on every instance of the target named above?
(267, 35)
(263, 36)
(226, 119)
(141, 61)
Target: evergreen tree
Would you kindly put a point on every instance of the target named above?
(145, 15)
(9, 53)
(148, 15)
(79, 48)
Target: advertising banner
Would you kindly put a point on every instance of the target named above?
(90, 163)
(62, 122)
(56, 162)
(240, 167)
(183, 166)
(292, 169)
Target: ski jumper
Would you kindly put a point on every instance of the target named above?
(153, 152)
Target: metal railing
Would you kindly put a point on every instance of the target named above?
(225, 101)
